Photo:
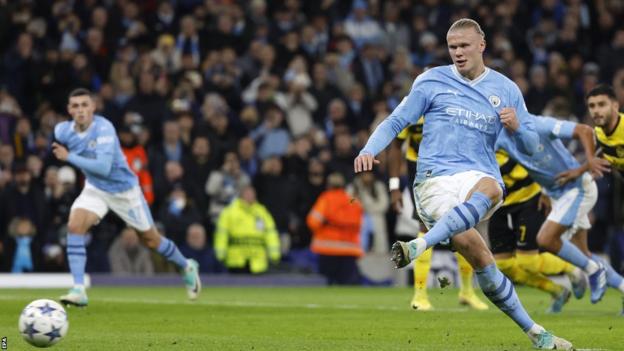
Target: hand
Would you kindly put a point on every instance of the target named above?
(569, 175)
(364, 162)
(598, 166)
(396, 199)
(543, 204)
(508, 119)
(60, 151)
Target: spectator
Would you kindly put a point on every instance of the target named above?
(24, 251)
(128, 257)
(225, 184)
(309, 188)
(373, 196)
(276, 191)
(197, 248)
(343, 155)
(246, 238)
(360, 27)
(297, 103)
(249, 162)
(137, 160)
(335, 222)
(198, 166)
(178, 213)
(24, 199)
(272, 139)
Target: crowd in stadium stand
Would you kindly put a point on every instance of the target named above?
(209, 97)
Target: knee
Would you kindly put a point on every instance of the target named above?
(494, 193)
(150, 240)
(76, 227)
(490, 188)
(543, 241)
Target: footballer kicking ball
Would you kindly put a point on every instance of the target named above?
(43, 323)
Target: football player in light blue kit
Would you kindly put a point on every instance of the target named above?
(572, 191)
(466, 107)
(90, 143)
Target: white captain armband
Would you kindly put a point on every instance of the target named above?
(394, 183)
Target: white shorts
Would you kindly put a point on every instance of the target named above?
(438, 195)
(130, 205)
(572, 208)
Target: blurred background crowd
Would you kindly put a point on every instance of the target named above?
(218, 96)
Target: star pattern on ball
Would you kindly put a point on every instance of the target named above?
(46, 309)
(54, 333)
(30, 330)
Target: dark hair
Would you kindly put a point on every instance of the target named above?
(602, 89)
(80, 92)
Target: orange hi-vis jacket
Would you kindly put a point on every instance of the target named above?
(335, 222)
(137, 160)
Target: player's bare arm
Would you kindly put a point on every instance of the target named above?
(594, 164)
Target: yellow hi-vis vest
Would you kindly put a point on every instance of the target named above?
(246, 234)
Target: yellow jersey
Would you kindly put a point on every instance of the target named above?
(520, 186)
(413, 135)
(612, 145)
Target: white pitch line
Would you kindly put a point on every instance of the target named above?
(248, 304)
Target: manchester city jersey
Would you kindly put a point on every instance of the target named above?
(461, 121)
(551, 157)
(99, 139)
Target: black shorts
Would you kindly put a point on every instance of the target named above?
(516, 227)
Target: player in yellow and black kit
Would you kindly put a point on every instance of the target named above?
(513, 230)
(604, 110)
(411, 137)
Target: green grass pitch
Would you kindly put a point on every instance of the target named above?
(263, 318)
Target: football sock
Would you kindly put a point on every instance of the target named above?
(422, 264)
(529, 262)
(76, 257)
(614, 280)
(459, 219)
(170, 251)
(572, 254)
(501, 292)
(465, 275)
(551, 264)
(513, 271)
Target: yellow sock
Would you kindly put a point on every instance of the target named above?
(421, 271)
(465, 274)
(552, 264)
(529, 262)
(511, 268)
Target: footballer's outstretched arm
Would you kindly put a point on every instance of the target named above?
(594, 164)
(408, 111)
(101, 165)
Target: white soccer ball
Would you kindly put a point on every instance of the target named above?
(43, 323)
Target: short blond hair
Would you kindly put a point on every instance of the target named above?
(464, 23)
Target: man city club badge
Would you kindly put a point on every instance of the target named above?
(494, 100)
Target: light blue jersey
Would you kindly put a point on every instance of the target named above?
(461, 124)
(97, 152)
(551, 158)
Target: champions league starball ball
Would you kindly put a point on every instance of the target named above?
(43, 323)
